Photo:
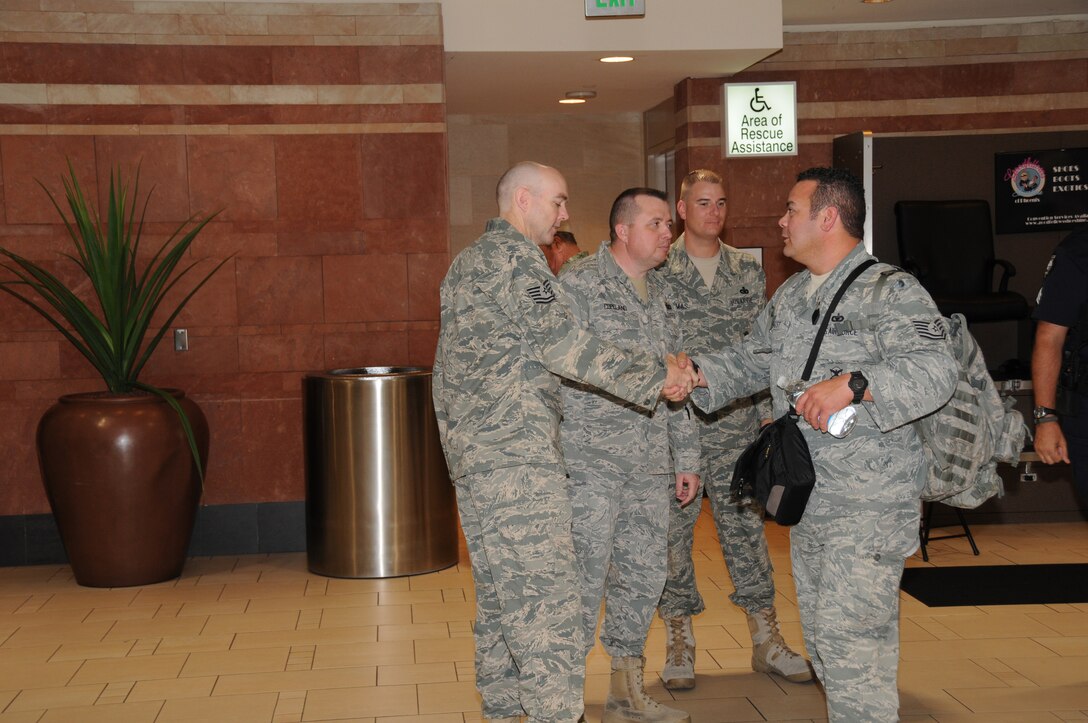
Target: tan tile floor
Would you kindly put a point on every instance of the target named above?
(258, 638)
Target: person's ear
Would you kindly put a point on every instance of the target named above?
(828, 217)
(682, 209)
(523, 198)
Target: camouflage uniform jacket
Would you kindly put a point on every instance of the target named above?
(905, 355)
(571, 261)
(600, 432)
(505, 328)
(713, 318)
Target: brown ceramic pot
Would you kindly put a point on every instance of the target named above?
(122, 483)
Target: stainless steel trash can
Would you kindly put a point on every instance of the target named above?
(379, 502)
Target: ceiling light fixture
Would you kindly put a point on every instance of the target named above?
(617, 59)
(578, 96)
(875, 2)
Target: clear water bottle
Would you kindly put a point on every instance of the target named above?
(839, 424)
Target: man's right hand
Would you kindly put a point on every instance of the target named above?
(1050, 443)
(680, 378)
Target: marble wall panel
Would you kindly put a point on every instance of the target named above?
(404, 178)
(305, 242)
(208, 355)
(421, 346)
(38, 243)
(425, 273)
(237, 175)
(163, 172)
(280, 290)
(29, 159)
(301, 65)
(281, 352)
(366, 288)
(319, 179)
(271, 452)
(401, 64)
(90, 63)
(225, 463)
(374, 348)
(29, 360)
(408, 235)
(22, 489)
(216, 304)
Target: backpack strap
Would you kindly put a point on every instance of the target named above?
(827, 315)
(871, 308)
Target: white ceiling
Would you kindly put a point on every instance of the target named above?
(531, 81)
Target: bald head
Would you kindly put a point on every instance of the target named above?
(527, 174)
(533, 198)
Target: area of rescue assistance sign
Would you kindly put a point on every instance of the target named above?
(759, 119)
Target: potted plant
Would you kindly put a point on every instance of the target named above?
(122, 468)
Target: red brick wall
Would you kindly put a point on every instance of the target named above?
(321, 137)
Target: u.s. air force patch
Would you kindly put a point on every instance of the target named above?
(931, 329)
(542, 293)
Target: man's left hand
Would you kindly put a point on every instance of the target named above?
(687, 487)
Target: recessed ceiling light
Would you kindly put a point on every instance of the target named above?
(571, 101)
(875, 2)
(617, 59)
(580, 95)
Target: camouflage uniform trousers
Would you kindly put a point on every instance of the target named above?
(847, 570)
(743, 541)
(619, 541)
(517, 525)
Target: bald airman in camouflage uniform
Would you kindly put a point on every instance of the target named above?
(622, 461)
(861, 522)
(717, 291)
(506, 331)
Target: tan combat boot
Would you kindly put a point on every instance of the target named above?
(627, 700)
(770, 654)
(679, 670)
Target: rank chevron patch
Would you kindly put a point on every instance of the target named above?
(542, 293)
(930, 329)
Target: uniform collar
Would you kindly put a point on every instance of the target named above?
(501, 225)
(848, 263)
(680, 264)
(608, 268)
(606, 262)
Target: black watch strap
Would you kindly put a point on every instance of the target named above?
(1040, 412)
(858, 383)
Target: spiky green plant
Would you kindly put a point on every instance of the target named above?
(117, 338)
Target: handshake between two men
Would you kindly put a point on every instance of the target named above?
(680, 377)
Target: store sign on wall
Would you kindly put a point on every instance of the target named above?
(759, 119)
(615, 8)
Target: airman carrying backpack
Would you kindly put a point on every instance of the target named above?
(972, 432)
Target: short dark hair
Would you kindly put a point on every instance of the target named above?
(566, 237)
(625, 206)
(839, 188)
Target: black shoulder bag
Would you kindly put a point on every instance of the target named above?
(776, 469)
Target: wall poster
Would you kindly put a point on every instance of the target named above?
(1040, 190)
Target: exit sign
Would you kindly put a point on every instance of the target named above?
(615, 8)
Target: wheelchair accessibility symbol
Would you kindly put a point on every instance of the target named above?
(757, 104)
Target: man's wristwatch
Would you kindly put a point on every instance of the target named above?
(858, 384)
(1042, 415)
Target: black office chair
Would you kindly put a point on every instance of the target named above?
(949, 246)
